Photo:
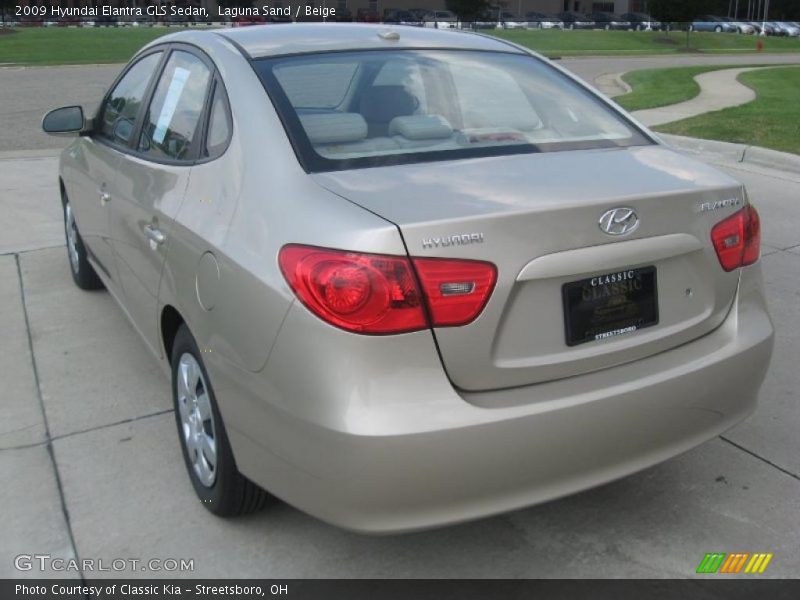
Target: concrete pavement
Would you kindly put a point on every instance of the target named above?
(92, 468)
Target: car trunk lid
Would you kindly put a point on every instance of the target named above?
(536, 218)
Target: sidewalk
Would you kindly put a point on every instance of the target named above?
(718, 90)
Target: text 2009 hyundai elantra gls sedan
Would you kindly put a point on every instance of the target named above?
(404, 278)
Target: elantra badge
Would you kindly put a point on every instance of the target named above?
(619, 221)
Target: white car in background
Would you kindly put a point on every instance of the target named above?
(511, 21)
(441, 19)
(538, 20)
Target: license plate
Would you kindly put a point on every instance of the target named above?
(610, 305)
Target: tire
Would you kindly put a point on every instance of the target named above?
(718, 29)
(212, 469)
(83, 273)
(608, 27)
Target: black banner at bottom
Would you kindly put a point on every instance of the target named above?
(400, 589)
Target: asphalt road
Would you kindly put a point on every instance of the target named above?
(91, 467)
(27, 93)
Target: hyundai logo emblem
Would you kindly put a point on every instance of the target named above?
(619, 221)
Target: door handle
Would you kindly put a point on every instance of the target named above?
(154, 234)
(104, 197)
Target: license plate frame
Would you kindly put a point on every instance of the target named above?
(610, 305)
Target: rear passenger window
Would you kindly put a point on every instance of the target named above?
(219, 124)
(171, 124)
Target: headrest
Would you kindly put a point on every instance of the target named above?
(382, 103)
(334, 128)
(421, 127)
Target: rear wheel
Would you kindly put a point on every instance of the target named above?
(206, 450)
(83, 274)
(718, 29)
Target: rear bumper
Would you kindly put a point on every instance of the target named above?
(400, 449)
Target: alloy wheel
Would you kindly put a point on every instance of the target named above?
(197, 419)
(72, 238)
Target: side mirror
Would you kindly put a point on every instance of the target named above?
(65, 121)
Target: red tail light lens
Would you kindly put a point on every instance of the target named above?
(737, 239)
(379, 294)
(456, 290)
(364, 293)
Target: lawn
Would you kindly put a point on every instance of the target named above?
(570, 43)
(68, 45)
(652, 88)
(75, 46)
(771, 121)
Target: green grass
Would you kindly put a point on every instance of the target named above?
(575, 43)
(653, 88)
(75, 46)
(772, 120)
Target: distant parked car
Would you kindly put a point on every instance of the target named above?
(511, 21)
(642, 21)
(537, 20)
(607, 21)
(441, 19)
(741, 26)
(762, 28)
(401, 17)
(367, 15)
(248, 20)
(69, 21)
(785, 29)
(711, 23)
(574, 20)
(343, 15)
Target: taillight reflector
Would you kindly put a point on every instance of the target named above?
(737, 239)
(379, 294)
(456, 290)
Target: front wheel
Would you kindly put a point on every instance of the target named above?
(206, 450)
(83, 273)
(718, 29)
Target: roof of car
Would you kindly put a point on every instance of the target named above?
(275, 40)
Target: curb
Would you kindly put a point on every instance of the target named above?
(740, 153)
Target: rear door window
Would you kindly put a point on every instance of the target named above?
(171, 125)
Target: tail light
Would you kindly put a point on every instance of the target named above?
(456, 290)
(379, 294)
(737, 239)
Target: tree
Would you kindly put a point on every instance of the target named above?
(6, 7)
(469, 10)
(678, 11)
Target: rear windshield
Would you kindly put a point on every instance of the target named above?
(349, 110)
